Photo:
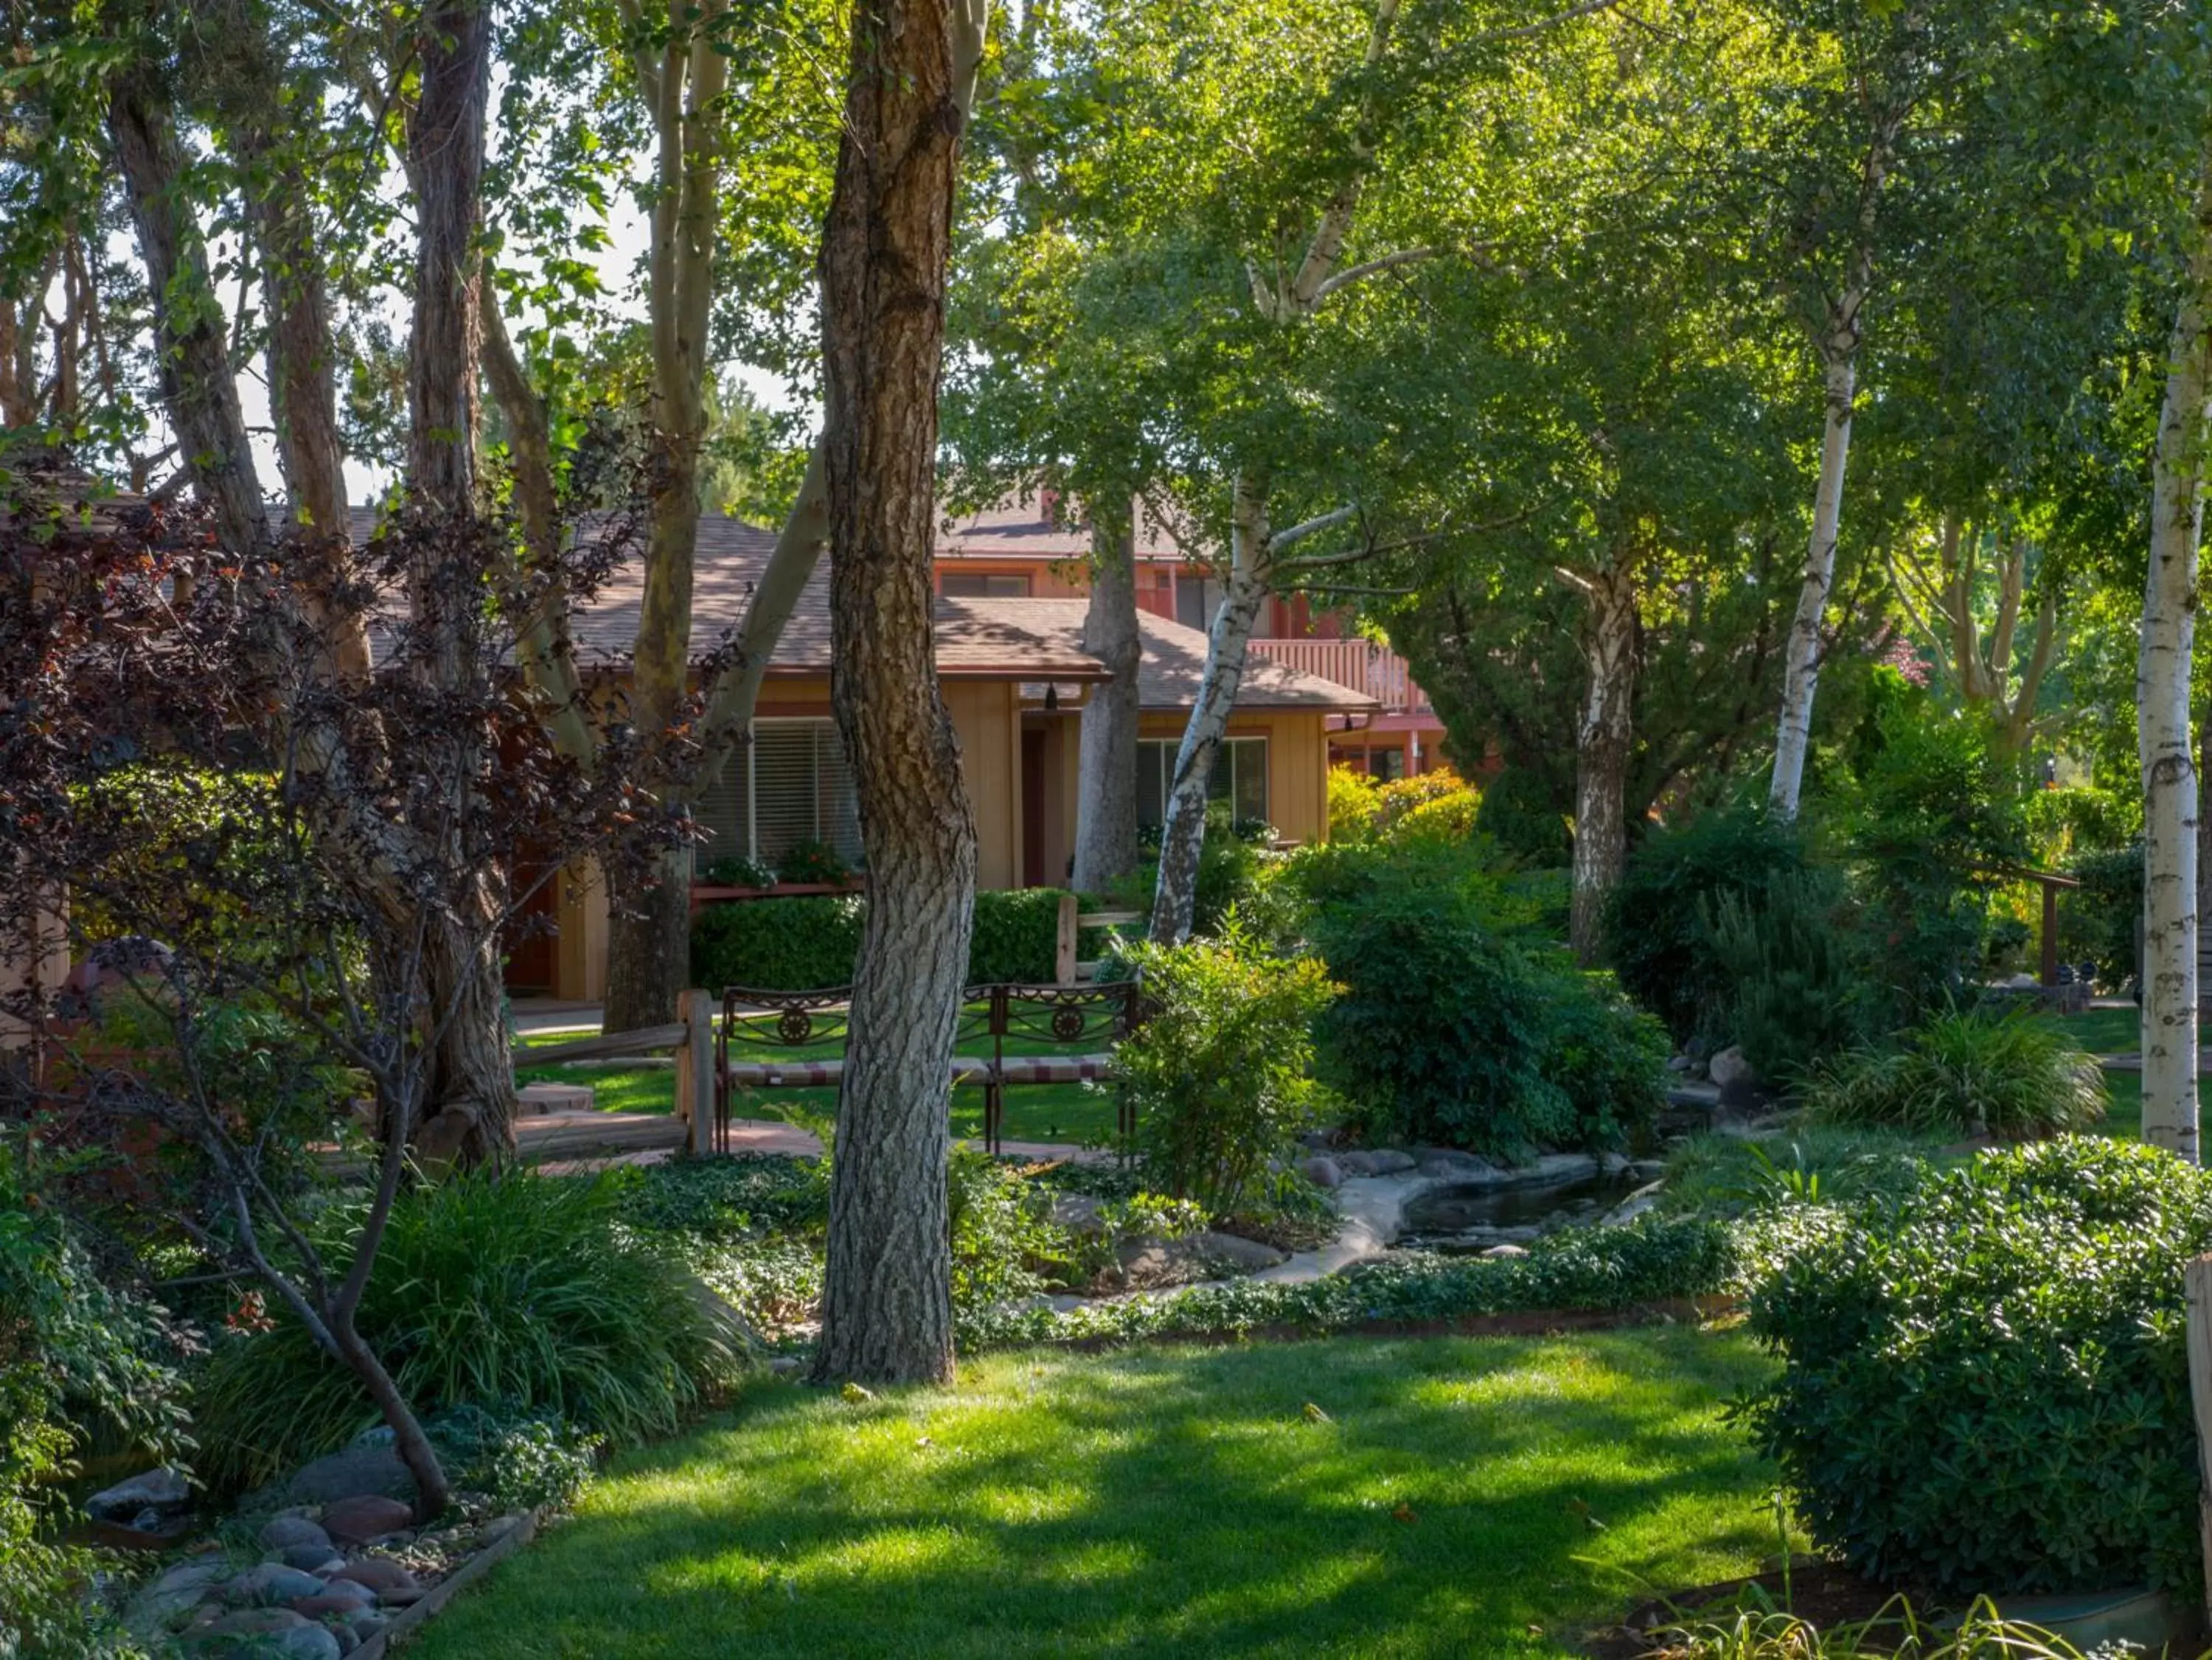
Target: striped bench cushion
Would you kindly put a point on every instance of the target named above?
(802, 1075)
(785, 1075)
(1054, 1069)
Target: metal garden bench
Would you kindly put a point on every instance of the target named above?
(1036, 1035)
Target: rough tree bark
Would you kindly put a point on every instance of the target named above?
(647, 927)
(301, 349)
(886, 1305)
(2162, 665)
(1106, 766)
(1837, 341)
(470, 1098)
(1613, 645)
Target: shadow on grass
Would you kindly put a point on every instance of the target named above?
(1461, 1497)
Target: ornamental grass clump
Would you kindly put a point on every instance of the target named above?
(2012, 1076)
(1984, 1385)
(522, 1293)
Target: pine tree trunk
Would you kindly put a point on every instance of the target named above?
(1174, 902)
(1800, 665)
(1106, 769)
(2170, 782)
(1602, 741)
(886, 1305)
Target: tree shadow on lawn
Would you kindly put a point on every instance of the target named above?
(1462, 1497)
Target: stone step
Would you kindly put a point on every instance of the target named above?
(542, 1098)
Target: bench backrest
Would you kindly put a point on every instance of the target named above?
(1072, 1017)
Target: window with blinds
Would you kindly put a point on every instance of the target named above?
(984, 585)
(790, 784)
(1240, 778)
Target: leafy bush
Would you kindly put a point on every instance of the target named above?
(1987, 1388)
(1219, 1072)
(1657, 919)
(1939, 809)
(2082, 821)
(799, 944)
(1795, 974)
(1002, 1238)
(2098, 921)
(810, 941)
(1016, 931)
(774, 1283)
(735, 871)
(2010, 1075)
(1519, 815)
(1351, 805)
(522, 1293)
(812, 861)
(1449, 1031)
(73, 1353)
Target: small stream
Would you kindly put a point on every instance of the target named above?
(1465, 1218)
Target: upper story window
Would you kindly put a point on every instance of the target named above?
(1197, 599)
(984, 585)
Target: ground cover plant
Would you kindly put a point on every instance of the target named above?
(1440, 1497)
(1984, 1388)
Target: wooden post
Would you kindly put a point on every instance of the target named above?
(2196, 1283)
(2049, 934)
(695, 1068)
(1063, 948)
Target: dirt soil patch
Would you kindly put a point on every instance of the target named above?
(1825, 1594)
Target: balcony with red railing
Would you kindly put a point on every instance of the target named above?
(1357, 664)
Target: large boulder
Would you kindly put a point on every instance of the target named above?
(284, 1532)
(366, 1467)
(1729, 1067)
(268, 1583)
(1322, 1171)
(163, 1490)
(367, 1516)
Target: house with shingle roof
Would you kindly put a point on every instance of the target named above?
(1015, 680)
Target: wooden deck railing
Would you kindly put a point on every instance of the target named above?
(1357, 664)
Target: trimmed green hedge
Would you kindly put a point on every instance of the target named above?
(804, 943)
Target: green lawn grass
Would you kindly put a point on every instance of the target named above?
(1465, 1498)
(1035, 1112)
(2105, 1031)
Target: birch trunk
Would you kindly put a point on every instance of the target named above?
(886, 1305)
(1228, 641)
(1106, 768)
(1801, 663)
(2169, 775)
(1602, 740)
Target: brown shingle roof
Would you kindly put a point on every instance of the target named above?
(1024, 640)
(1042, 528)
(1174, 660)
